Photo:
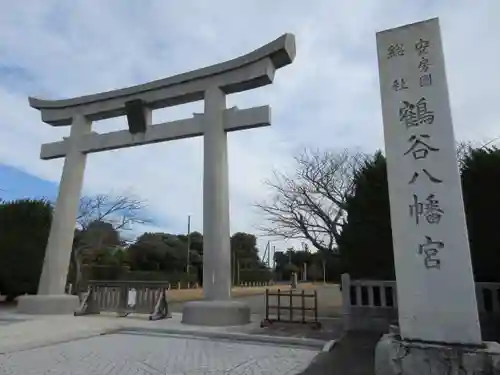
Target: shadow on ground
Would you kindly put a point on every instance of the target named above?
(353, 354)
(331, 329)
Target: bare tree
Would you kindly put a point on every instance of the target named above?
(463, 149)
(311, 202)
(120, 212)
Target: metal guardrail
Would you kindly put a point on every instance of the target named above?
(281, 309)
(125, 297)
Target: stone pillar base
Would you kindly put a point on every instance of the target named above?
(216, 313)
(396, 356)
(47, 304)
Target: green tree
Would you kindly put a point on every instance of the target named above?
(196, 253)
(144, 256)
(163, 252)
(280, 262)
(365, 243)
(244, 249)
(246, 264)
(100, 218)
(480, 173)
(315, 272)
(24, 230)
(288, 270)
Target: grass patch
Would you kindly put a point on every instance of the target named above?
(183, 295)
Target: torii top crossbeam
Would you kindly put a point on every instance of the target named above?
(246, 72)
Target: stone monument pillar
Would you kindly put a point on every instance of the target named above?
(439, 328)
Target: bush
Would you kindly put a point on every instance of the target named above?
(96, 272)
(24, 230)
(480, 185)
(255, 275)
(172, 277)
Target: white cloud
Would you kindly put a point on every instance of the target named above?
(328, 98)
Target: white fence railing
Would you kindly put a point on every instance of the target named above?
(372, 304)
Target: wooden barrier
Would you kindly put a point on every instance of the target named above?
(125, 297)
(288, 296)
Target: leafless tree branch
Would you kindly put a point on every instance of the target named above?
(310, 203)
(119, 211)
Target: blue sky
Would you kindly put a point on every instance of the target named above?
(327, 99)
(16, 183)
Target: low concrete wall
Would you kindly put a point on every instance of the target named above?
(372, 305)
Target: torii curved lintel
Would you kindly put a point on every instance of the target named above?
(246, 72)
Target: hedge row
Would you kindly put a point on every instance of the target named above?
(124, 273)
(174, 278)
(261, 275)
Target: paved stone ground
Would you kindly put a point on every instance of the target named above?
(354, 354)
(22, 336)
(5, 321)
(138, 354)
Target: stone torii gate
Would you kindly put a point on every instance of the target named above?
(210, 84)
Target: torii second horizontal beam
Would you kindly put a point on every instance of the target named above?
(234, 119)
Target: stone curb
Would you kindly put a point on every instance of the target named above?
(322, 345)
(236, 336)
(328, 347)
(286, 341)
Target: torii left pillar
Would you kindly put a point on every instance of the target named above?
(51, 297)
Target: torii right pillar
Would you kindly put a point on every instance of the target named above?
(217, 308)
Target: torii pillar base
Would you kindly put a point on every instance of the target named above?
(216, 313)
(48, 304)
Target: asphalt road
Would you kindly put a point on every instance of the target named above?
(329, 301)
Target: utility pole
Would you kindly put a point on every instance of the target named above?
(188, 244)
(237, 272)
(267, 251)
(236, 269)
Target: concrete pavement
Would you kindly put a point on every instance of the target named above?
(104, 344)
(154, 355)
(76, 345)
